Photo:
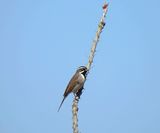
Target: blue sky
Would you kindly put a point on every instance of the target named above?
(43, 42)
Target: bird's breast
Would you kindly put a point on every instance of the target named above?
(80, 83)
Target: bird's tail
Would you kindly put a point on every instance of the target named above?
(61, 104)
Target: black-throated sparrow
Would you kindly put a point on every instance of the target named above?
(76, 83)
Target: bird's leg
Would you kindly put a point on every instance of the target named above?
(79, 92)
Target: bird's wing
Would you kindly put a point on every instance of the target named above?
(72, 83)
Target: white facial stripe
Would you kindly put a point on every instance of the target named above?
(81, 71)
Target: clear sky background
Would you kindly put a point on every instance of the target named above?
(42, 42)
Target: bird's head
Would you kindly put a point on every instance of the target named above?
(83, 70)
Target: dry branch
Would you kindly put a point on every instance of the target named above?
(90, 61)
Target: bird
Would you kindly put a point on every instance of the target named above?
(76, 83)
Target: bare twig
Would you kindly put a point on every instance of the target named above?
(96, 39)
(75, 114)
(91, 56)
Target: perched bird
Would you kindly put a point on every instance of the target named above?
(76, 83)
